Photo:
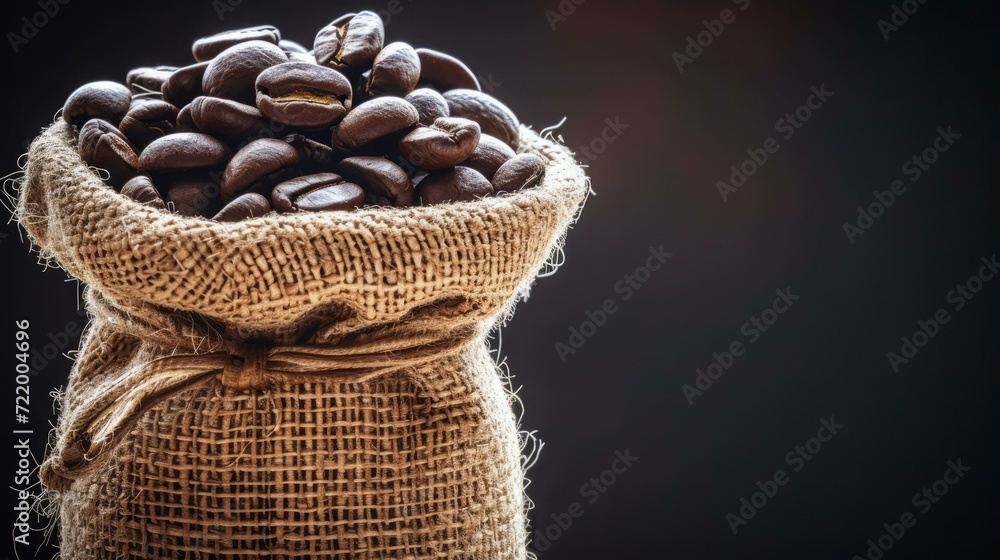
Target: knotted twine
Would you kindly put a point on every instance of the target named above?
(365, 330)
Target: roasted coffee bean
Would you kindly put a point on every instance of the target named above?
(143, 98)
(444, 71)
(314, 193)
(244, 207)
(185, 123)
(446, 143)
(430, 105)
(302, 57)
(183, 151)
(395, 71)
(458, 184)
(380, 177)
(520, 172)
(350, 44)
(233, 72)
(108, 101)
(226, 118)
(145, 80)
(371, 120)
(104, 146)
(310, 150)
(290, 47)
(488, 156)
(304, 95)
(184, 84)
(140, 189)
(193, 194)
(493, 116)
(208, 48)
(258, 166)
(147, 122)
(417, 177)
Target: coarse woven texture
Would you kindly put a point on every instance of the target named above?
(295, 386)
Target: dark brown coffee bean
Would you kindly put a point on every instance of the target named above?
(104, 146)
(244, 207)
(430, 105)
(395, 71)
(314, 193)
(446, 143)
(233, 72)
(444, 71)
(303, 94)
(488, 156)
(184, 84)
(379, 177)
(226, 118)
(309, 150)
(108, 101)
(493, 116)
(149, 121)
(352, 44)
(193, 194)
(140, 189)
(258, 166)
(143, 98)
(208, 48)
(290, 47)
(520, 172)
(183, 151)
(458, 184)
(184, 121)
(146, 80)
(371, 120)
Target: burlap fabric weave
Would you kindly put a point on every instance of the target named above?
(301, 386)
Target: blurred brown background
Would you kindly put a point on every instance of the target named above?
(655, 177)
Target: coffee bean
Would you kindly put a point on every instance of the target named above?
(185, 123)
(352, 44)
(140, 189)
(493, 116)
(372, 120)
(302, 57)
(488, 156)
(290, 47)
(184, 84)
(379, 177)
(142, 98)
(244, 207)
(430, 105)
(447, 143)
(258, 166)
(208, 48)
(183, 151)
(520, 172)
(303, 94)
(314, 193)
(395, 71)
(458, 184)
(97, 100)
(146, 80)
(309, 150)
(444, 71)
(226, 118)
(193, 194)
(147, 122)
(104, 146)
(233, 72)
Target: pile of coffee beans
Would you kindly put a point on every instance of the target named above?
(262, 124)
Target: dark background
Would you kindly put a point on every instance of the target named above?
(655, 185)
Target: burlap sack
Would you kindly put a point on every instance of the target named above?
(303, 386)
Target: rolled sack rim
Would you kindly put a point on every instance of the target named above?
(485, 251)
